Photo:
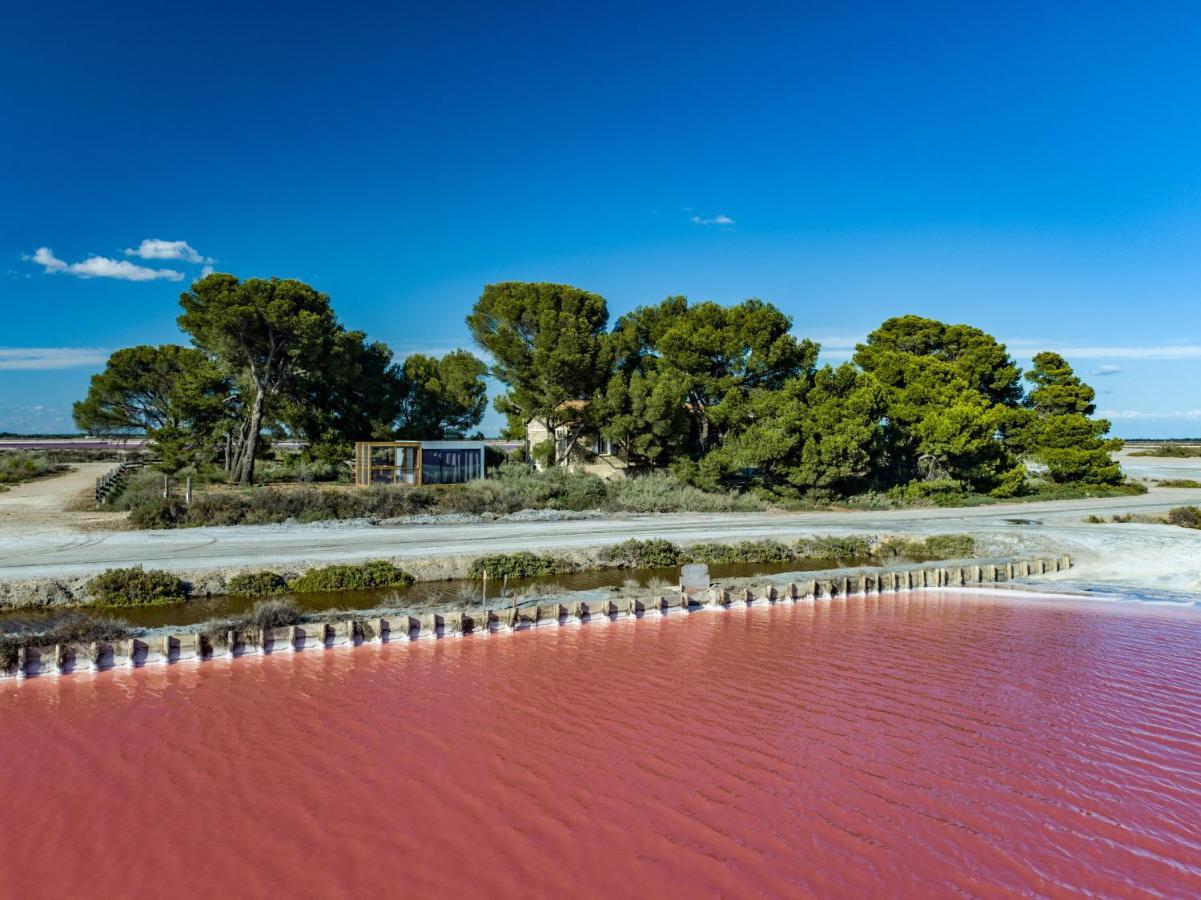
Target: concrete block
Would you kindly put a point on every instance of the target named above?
(180, 647)
(101, 654)
(368, 630)
(549, 612)
(343, 632)
(825, 588)
(481, 620)
(430, 623)
(577, 609)
(1065, 563)
(277, 640)
(990, 573)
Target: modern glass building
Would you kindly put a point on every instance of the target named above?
(418, 462)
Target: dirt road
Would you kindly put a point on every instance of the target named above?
(1147, 555)
(38, 539)
(42, 504)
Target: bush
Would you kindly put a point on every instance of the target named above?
(938, 546)
(635, 554)
(1179, 483)
(377, 573)
(136, 587)
(264, 614)
(836, 548)
(1172, 451)
(256, 584)
(17, 466)
(745, 552)
(941, 492)
(1185, 516)
(517, 565)
(659, 492)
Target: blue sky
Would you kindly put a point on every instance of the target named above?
(1032, 170)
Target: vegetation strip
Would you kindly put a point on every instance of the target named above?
(276, 625)
(135, 586)
(728, 399)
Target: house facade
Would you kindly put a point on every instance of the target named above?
(588, 452)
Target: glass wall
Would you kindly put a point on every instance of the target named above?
(387, 464)
(444, 466)
(408, 462)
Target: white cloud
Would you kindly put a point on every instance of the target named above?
(207, 271)
(155, 248)
(102, 267)
(12, 358)
(1153, 351)
(1107, 369)
(842, 347)
(1191, 415)
(44, 257)
(719, 219)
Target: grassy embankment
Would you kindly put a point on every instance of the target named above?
(1171, 451)
(512, 490)
(19, 466)
(1182, 516)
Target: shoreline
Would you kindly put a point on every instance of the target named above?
(192, 644)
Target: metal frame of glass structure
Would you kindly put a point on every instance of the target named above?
(418, 462)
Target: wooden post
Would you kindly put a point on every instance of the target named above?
(188, 494)
(166, 486)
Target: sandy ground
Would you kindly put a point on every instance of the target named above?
(37, 540)
(42, 504)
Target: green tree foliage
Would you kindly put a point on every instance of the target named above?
(267, 335)
(949, 389)
(818, 435)
(701, 364)
(174, 395)
(549, 348)
(352, 394)
(441, 398)
(1062, 436)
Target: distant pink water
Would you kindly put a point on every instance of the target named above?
(926, 745)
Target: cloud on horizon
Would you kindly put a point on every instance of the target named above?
(101, 267)
(45, 358)
(719, 219)
(1107, 369)
(156, 248)
(1191, 415)
(843, 347)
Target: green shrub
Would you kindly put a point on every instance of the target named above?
(377, 573)
(1179, 483)
(517, 565)
(264, 614)
(938, 546)
(1185, 516)
(634, 554)
(1172, 451)
(136, 587)
(17, 466)
(256, 584)
(940, 492)
(659, 492)
(745, 552)
(837, 548)
(157, 512)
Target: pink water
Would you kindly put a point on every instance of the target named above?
(925, 745)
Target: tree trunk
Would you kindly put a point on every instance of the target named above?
(246, 473)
